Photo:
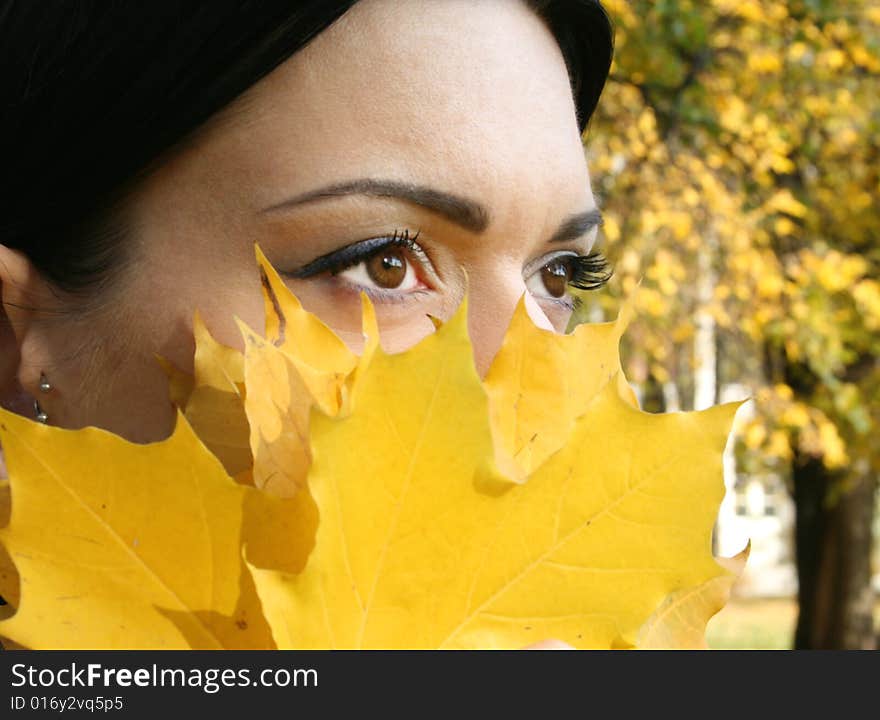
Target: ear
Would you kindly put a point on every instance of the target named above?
(22, 290)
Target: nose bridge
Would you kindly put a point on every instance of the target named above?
(492, 298)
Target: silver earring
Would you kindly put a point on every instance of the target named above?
(44, 384)
(40, 414)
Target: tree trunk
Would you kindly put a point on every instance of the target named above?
(833, 555)
(705, 337)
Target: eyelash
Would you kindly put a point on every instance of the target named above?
(591, 272)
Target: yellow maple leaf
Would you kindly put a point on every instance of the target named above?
(9, 583)
(420, 546)
(322, 359)
(278, 405)
(215, 407)
(180, 383)
(680, 620)
(300, 364)
(423, 538)
(540, 382)
(137, 546)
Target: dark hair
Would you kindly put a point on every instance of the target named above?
(96, 92)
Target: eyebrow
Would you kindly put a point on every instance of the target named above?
(577, 225)
(465, 213)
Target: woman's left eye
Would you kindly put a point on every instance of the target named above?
(555, 276)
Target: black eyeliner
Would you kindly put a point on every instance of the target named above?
(340, 260)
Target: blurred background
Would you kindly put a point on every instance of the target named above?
(736, 155)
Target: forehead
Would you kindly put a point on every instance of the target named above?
(465, 96)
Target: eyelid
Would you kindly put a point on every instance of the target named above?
(540, 262)
(346, 257)
(378, 295)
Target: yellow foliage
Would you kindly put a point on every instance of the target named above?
(783, 201)
(770, 286)
(99, 527)
(784, 391)
(867, 296)
(795, 415)
(797, 51)
(733, 113)
(402, 531)
(748, 10)
(833, 449)
(778, 445)
(611, 229)
(864, 58)
(765, 62)
(755, 436)
(783, 226)
(833, 59)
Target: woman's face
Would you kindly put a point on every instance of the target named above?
(416, 151)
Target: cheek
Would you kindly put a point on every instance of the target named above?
(116, 384)
(119, 385)
(220, 285)
(195, 251)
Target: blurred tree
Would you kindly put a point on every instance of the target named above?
(738, 148)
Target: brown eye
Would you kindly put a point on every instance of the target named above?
(387, 268)
(555, 277)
